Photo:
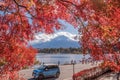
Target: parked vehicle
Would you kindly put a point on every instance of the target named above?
(45, 71)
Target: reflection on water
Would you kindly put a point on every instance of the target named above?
(60, 58)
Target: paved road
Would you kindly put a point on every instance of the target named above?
(66, 71)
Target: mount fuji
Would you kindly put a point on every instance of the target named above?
(56, 40)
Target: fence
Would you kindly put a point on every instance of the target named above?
(90, 74)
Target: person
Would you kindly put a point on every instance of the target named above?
(71, 61)
(58, 63)
(74, 61)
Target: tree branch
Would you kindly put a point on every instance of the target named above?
(23, 7)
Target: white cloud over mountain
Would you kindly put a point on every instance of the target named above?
(40, 38)
(56, 40)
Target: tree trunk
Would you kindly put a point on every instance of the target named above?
(118, 74)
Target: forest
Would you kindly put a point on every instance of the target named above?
(60, 50)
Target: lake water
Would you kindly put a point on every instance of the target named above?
(60, 58)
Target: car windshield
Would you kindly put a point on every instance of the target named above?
(42, 67)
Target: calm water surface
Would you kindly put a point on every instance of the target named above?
(59, 58)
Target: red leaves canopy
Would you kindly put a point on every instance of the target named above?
(99, 22)
(101, 35)
(19, 20)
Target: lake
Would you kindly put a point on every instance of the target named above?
(60, 58)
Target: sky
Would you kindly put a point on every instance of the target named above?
(67, 27)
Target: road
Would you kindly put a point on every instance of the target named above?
(66, 71)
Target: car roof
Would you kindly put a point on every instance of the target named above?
(50, 64)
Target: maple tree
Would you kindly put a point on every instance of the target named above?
(19, 21)
(98, 22)
(100, 33)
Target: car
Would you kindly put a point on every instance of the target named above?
(45, 71)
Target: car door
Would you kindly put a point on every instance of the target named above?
(47, 71)
(53, 71)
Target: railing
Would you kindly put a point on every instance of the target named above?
(90, 74)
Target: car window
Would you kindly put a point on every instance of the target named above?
(52, 67)
(42, 67)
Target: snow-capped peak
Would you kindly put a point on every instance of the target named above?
(40, 38)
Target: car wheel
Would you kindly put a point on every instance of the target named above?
(57, 75)
(40, 77)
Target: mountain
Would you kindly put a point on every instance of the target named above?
(57, 40)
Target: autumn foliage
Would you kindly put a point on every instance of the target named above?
(90, 74)
(19, 21)
(101, 35)
(98, 21)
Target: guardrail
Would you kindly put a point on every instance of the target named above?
(90, 74)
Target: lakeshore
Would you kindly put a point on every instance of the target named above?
(60, 58)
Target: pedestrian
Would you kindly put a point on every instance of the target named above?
(58, 63)
(74, 61)
(71, 61)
